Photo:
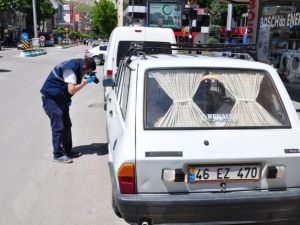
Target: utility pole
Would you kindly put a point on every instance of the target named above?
(34, 19)
(120, 12)
(229, 16)
(35, 40)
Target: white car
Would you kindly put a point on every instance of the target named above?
(98, 53)
(198, 139)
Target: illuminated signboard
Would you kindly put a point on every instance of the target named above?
(164, 14)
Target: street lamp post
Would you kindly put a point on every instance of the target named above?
(34, 19)
(229, 16)
(35, 40)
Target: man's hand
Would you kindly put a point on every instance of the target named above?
(89, 79)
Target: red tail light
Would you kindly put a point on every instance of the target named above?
(138, 31)
(126, 177)
(109, 73)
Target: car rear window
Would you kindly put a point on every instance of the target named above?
(205, 98)
(124, 46)
(103, 47)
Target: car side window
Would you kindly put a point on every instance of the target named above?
(119, 80)
(123, 100)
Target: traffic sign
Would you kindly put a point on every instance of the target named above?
(42, 38)
(24, 36)
(25, 44)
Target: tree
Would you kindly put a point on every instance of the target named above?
(218, 12)
(45, 11)
(104, 18)
(60, 31)
(12, 5)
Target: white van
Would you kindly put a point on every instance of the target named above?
(122, 37)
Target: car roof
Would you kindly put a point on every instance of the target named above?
(184, 60)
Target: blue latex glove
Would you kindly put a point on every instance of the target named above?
(89, 79)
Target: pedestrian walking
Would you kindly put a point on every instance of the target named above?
(66, 79)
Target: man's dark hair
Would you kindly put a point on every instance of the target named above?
(89, 63)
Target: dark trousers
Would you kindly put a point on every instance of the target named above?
(60, 125)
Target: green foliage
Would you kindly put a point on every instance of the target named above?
(213, 40)
(104, 18)
(45, 10)
(61, 31)
(218, 12)
(74, 34)
(239, 10)
(13, 5)
(214, 30)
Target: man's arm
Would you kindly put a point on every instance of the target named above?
(70, 78)
(73, 88)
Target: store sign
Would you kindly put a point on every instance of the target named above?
(276, 21)
(164, 14)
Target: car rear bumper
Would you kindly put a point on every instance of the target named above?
(235, 207)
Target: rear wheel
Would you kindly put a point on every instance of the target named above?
(97, 59)
(101, 59)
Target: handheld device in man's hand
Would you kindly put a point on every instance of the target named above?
(91, 77)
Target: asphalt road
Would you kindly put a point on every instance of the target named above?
(34, 190)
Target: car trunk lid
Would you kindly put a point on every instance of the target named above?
(162, 154)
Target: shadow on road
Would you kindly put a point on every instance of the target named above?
(95, 148)
(1, 70)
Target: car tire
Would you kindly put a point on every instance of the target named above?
(115, 207)
(101, 57)
(97, 60)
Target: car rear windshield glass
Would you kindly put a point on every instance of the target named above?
(124, 46)
(212, 99)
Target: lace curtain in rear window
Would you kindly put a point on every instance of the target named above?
(212, 98)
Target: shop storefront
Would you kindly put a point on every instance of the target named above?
(278, 37)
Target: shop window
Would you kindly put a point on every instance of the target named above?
(279, 37)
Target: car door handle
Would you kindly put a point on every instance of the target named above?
(111, 113)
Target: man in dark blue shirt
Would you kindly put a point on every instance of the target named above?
(66, 79)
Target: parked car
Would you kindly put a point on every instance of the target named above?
(19, 46)
(196, 139)
(66, 41)
(48, 43)
(98, 53)
(123, 38)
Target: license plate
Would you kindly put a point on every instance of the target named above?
(226, 173)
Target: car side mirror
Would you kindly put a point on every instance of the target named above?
(108, 82)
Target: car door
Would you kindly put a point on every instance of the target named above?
(116, 108)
